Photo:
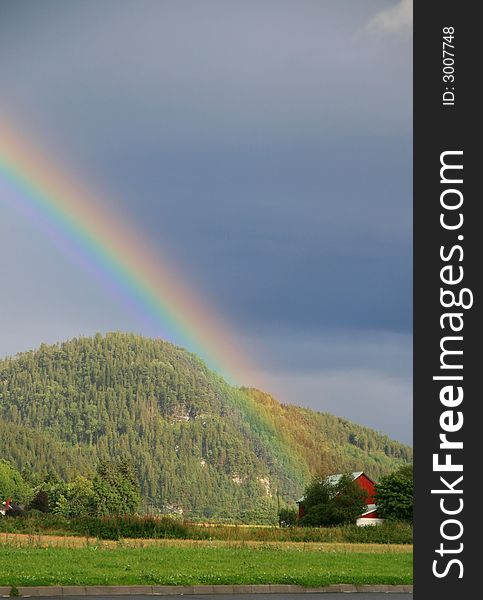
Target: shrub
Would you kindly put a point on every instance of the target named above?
(129, 526)
(287, 517)
(40, 502)
(34, 522)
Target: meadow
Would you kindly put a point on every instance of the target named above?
(30, 560)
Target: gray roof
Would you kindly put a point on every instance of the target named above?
(334, 479)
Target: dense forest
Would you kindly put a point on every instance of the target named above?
(200, 447)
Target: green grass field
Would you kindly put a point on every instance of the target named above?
(178, 564)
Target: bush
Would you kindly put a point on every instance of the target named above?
(40, 502)
(129, 526)
(287, 517)
(34, 522)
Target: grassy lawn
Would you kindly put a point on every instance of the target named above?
(195, 564)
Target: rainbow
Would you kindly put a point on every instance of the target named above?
(108, 246)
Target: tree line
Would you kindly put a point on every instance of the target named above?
(112, 491)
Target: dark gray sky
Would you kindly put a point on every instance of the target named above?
(264, 146)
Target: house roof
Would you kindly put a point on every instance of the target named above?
(334, 480)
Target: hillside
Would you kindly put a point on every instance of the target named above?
(199, 445)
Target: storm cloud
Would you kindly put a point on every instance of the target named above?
(264, 146)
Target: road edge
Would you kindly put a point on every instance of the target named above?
(190, 590)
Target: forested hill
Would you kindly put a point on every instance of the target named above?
(199, 445)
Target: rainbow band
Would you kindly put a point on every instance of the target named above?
(117, 252)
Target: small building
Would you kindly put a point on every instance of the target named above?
(370, 516)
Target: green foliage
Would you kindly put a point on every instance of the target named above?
(389, 532)
(394, 495)
(199, 446)
(333, 503)
(115, 490)
(35, 522)
(61, 507)
(116, 528)
(40, 502)
(55, 491)
(81, 497)
(12, 484)
(288, 517)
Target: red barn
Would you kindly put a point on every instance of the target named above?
(370, 515)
